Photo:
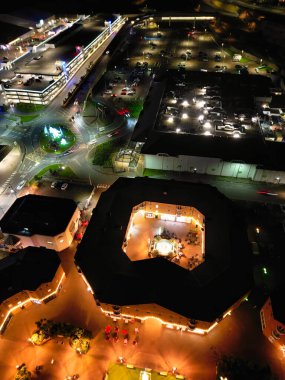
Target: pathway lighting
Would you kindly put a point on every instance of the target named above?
(185, 103)
(178, 130)
(236, 135)
(200, 103)
(184, 116)
(207, 125)
(170, 119)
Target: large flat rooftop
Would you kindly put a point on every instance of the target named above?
(208, 289)
(37, 214)
(26, 270)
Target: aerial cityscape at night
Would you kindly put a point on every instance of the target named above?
(142, 190)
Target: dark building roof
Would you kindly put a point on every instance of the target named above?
(236, 90)
(4, 150)
(79, 34)
(203, 293)
(37, 214)
(26, 270)
(9, 32)
(277, 302)
(31, 15)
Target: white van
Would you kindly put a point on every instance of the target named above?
(237, 57)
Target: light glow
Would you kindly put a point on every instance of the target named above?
(31, 299)
(207, 125)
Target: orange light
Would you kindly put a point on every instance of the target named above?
(31, 299)
(197, 330)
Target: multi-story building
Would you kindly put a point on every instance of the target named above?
(174, 251)
(40, 221)
(57, 60)
(272, 316)
(33, 275)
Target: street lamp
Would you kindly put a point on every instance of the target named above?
(260, 60)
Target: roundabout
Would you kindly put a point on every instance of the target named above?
(56, 139)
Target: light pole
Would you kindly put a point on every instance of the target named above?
(12, 191)
(223, 50)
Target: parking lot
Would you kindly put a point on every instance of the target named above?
(202, 95)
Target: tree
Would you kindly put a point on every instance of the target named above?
(235, 368)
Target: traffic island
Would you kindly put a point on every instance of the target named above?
(56, 139)
(97, 114)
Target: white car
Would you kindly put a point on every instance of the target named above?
(228, 127)
(64, 186)
(21, 185)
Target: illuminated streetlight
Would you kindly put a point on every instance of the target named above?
(207, 125)
(178, 130)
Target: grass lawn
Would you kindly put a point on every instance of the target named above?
(28, 107)
(66, 172)
(56, 139)
(103, 152)
(27, 118)
(154, 172)
(229, 52)
(135, 108)
(96, 114)
(121, 372)
(245, 60)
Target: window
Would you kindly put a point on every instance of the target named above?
(262, 318)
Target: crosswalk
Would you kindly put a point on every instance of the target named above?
(5, 184)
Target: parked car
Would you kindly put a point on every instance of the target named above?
(64, 186)
(21, 185)
(53, 185)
